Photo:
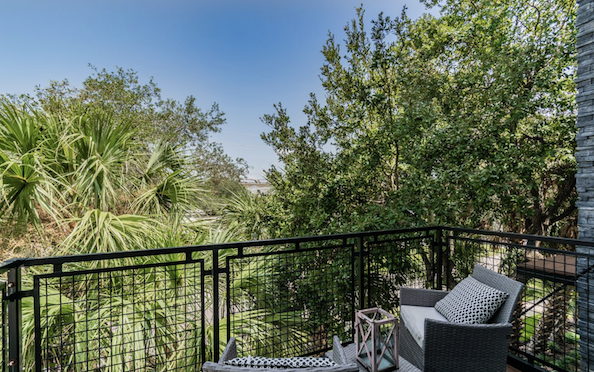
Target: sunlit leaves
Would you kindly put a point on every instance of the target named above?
(101, 231)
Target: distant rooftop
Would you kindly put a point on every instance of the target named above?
(254, 185)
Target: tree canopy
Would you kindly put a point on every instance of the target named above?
(463, 119)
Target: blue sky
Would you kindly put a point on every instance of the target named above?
(246, 55)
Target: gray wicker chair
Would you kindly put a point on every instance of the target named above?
(461, 347)
(230, 352)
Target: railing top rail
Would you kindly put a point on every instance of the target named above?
(18, 262)
(548, 239)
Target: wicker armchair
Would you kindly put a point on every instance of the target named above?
(230, 352)
(447, 346)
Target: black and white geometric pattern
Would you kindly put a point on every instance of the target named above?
(471, 302)
(260, 362)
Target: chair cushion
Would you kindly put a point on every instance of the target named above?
(260, 362)
(414, 318)
(471, 302)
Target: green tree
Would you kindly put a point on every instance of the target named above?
(466, 119)
(504, 135)
(140, 105)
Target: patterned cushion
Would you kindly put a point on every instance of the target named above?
(260, 362)
(471, 302)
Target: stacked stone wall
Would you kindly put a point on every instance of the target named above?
(585, 176)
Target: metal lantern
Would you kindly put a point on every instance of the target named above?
(376, 335)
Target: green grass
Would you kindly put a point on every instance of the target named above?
(529, 325)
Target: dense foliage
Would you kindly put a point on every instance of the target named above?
(110, 166)
(466, 119)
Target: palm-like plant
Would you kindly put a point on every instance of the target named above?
(20, 129)
(166, 187)
(103, 150)
(25, 185)
(244, 214)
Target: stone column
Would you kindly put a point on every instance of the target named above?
(585, 176)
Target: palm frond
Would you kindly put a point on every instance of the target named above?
(20, 131)
(25, 184)
(100, 231)
(177, 192)
(166, 187)
(164, 158)
(102, 148)
(243, 214)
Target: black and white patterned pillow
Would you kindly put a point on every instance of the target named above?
(261, 362)
(471, 302)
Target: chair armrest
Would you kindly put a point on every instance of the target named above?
(230, 351)
(338, 355)
(420, 296)
(212, 367)
(473, 347)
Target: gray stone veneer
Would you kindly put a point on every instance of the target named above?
(585, 175)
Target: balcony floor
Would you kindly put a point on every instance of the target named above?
(350, 351)
(405, 366)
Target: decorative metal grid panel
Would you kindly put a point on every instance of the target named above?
(546, 330)
(395, 261)
(291, 303)
(135, 318)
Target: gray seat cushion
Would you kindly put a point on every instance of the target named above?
(414, 318)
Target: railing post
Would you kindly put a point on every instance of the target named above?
(585, 305)
(4, 323)
(15, 331)
(359, 244)
(202, 314)
(215, 305)
(438, 245)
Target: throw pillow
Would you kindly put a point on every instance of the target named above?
(471, 302)
(261, 362)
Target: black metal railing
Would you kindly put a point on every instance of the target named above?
(171, 309)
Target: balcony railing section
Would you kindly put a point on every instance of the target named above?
(171, 309)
